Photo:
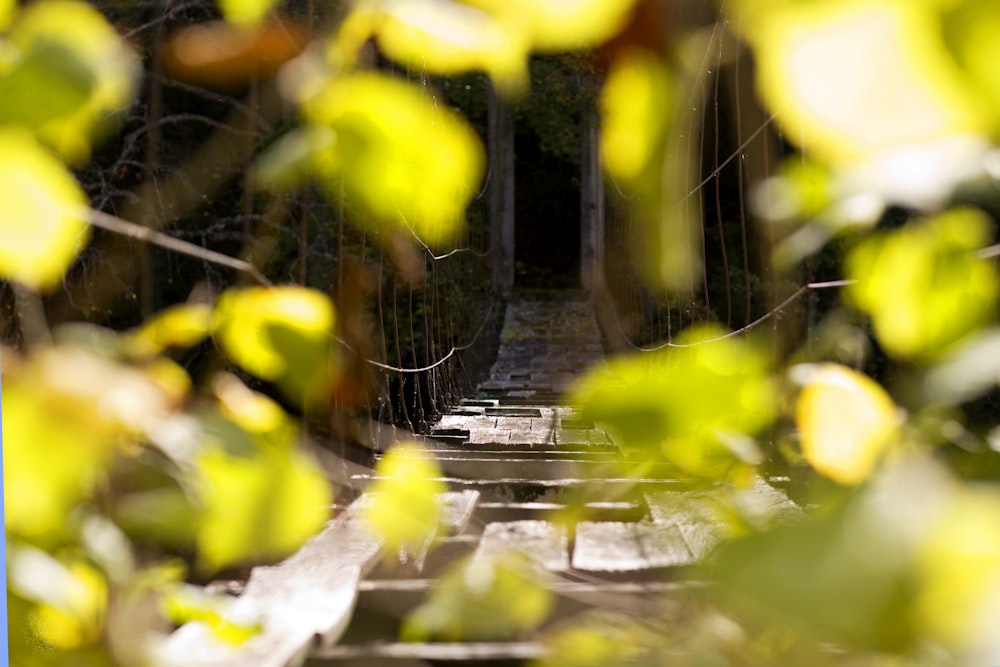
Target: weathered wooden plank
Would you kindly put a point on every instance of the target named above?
(305, 599)
(609, 546)
(443, 652)
(541, 541)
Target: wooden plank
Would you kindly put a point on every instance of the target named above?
(611, 546)
(306, 598)
(443, 652)
(541, 541)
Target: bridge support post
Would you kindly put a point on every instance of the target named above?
(591, 204)
(501, 192)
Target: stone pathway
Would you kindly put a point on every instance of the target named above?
(512, 455)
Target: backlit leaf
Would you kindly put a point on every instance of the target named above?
(7, 10)
(66, 413)
(189, 604)
(403, 159)
(177, 326)
(561, 25)
(450, 37)
(921, 286)
(405, 507)
(958, 564)
(70, 595)
(42, 85)
(490, 597)
(826, 578)
(693, 405)
(41, 230)
(87, 55)
(601, 638)
(246, 13)
(846, 422)
(850, 79)
(281, 334)
(635, 105)
(259, 506)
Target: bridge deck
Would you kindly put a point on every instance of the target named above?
(512, 454)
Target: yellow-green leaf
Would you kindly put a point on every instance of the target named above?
(189, 604)
(258, 507)
(921, 286)
(558, 25)
(849, 79)
(404, 159)
(490, 597)
(635, 105)
(41, 228)
(846, 422)
(696, 405)
(177, 326)
(70, 595)
(281, 334)
(246, 13)
(66, 413)
(405, 505)
(8, 8)
(449, 37)
(95, 71)
(958, 565)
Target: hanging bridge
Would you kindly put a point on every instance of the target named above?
(513, 457)
(472, 362)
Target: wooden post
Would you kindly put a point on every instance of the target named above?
(501, 192)
(591, 204)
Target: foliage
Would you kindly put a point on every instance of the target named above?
(127, 476)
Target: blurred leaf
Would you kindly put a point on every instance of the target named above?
(850, 79)
(817, 576)
(41, 230)
(187, 604)
(286, 163)
(58, 438)
(693, 404)
(602, 639)
(958, 565)
(8, 9)
(968, 370)
(178, 326)
(280, 334)
(254, 412)
(448, 37)
(167, 516)
(405, 507)
(71, 596)
(488, 598)
(257, 507)
(970, 30)
(635, 103)
(557, 25)
(224, 55)
(82, 53)
(404, 159)
(246, 13)
(846, 422)
(44, 84)
(922, 287)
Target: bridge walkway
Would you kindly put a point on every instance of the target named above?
(515, 458)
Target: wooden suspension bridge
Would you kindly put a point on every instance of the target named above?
(512, 455)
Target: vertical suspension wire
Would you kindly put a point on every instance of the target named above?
(741, 185)
(718, 190)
